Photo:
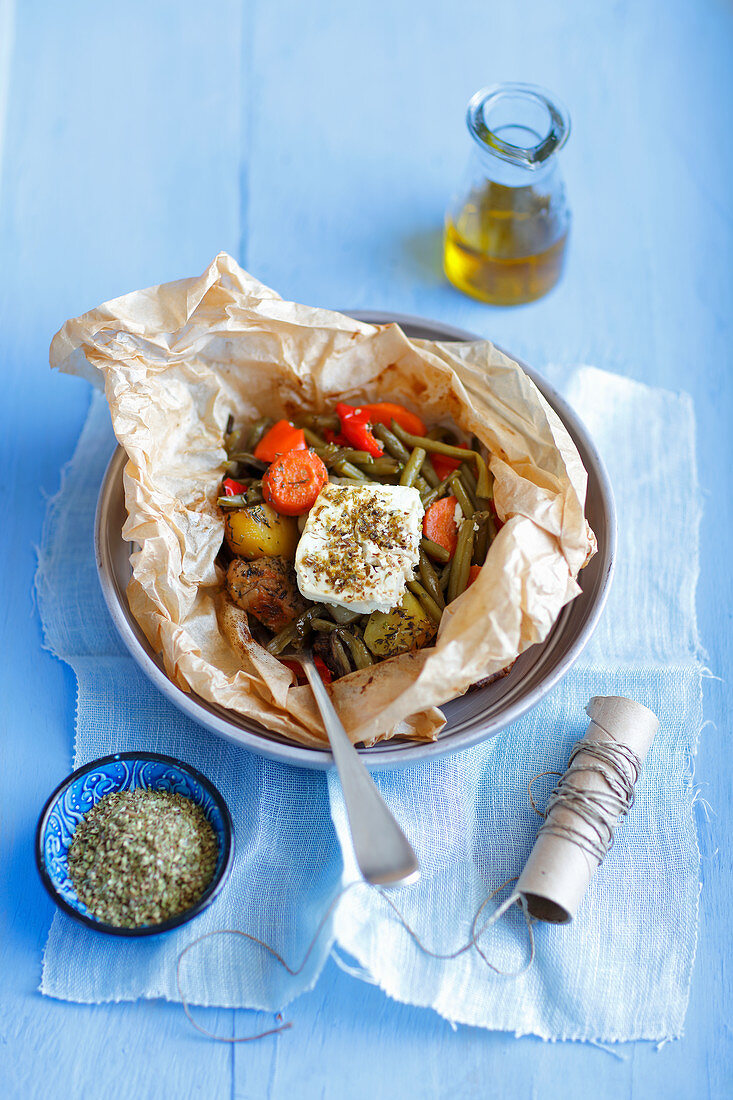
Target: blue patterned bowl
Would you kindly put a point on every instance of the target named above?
(125, 771)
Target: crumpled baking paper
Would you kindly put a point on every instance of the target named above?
(175, 360)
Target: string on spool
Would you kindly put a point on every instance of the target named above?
(619, 766)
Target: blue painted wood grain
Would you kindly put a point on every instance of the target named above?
(319, 143)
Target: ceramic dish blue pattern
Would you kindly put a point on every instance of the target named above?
(125, 771)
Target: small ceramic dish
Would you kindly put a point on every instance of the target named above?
(125, 771)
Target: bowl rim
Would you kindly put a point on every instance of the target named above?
(377, 757)
(211, 891)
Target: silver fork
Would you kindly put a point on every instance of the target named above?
(383, 852)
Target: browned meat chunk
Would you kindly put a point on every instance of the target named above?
(267, 589)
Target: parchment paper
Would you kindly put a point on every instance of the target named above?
(175, 360)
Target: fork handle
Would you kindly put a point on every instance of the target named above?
(383, 852)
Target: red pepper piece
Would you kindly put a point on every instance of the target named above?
(444, 465)
(323, 670)
(335, 437)
(296, 668)
(473, 574)
(355, 429)
(384, 412)
(233, 488)
(281, 438)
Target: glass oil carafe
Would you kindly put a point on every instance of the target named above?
(506, 230)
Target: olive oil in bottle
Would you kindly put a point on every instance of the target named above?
(506, 233)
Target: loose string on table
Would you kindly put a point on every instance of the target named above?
(600, 810)
(473, 941)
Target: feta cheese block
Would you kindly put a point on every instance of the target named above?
(360, 545)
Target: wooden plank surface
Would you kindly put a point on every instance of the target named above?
(319, 143)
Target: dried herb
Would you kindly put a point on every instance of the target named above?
(142, 856)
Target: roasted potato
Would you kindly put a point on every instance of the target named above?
(260, 532)
(406, 627)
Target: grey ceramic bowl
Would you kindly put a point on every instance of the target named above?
(470, 719)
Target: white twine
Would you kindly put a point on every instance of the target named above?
(600, 810)
(476, 934)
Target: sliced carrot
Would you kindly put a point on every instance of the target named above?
(439, 523)
(281, 438)
(384, 412)
(473, 573)
(293, 481)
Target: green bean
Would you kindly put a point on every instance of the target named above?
(331, 454)
(277, 644)
(346, 469)
(248, 459)
(313, 439)
(342, 615)
(380, 467)
(228, 504)
(468, 478)
(493, 529)
(339, 655)
(434, 550)
(483, 486)
(257, 431)
(461, 561)
(361, 458)
(429, 579)
(481, 538)
(320, 422)
(440, 433)
(323, 626)
(429, 604)
(428, 472)
(445, 577)
(488, 486)
(411, 471)
(303, 622)
(467, 486)
(461, 495)
(391, 442)
(233, 440)
(360, 655)
(431, 495)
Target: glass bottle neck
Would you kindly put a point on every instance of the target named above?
(517, 131)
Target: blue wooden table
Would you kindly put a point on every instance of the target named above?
(318, 143)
